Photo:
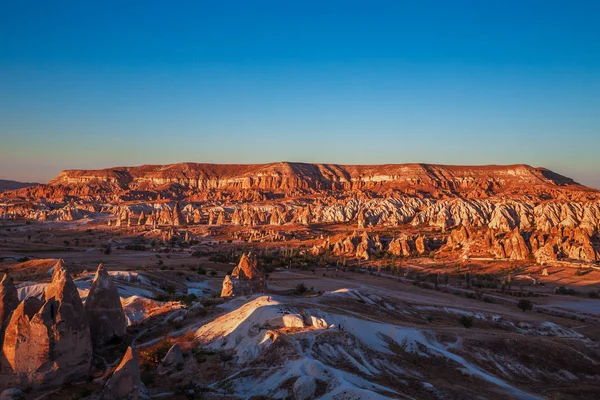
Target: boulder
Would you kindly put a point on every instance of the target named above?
(318, 323)
(293, 321)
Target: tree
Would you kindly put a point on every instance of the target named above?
(525, 305)
(301, 288)
(466, 321)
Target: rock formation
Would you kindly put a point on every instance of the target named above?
(26, 344)
(172, 360)
(361, 220)
(142, 219)
(228, 287)
(556, 217)
(221, 218)
(124, 384)
(400, 246)
(236, 219)
(9, 300)
(283, 176)
(245, 279)
(247, 268)
(104, 310)
(514, 246)
(197, 216)
(50, 345)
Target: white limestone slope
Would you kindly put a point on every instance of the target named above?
(318, 341)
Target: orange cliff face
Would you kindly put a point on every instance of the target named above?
(185, 179)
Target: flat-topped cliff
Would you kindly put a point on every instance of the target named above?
(286, 175)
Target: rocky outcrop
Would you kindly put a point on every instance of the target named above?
(236, 218)
(177, 216)
(172, 360)
(142, 218)
(400, 246)
(513, 246)
(124, 384)
(9, 300)
(104, 310)
(245, 279)
(247, 268)
(70, 344)
(361, 220)
(27, 344)
(561, 242)
(421, 245)
(221, 218)
(50, 345)
(228, 287)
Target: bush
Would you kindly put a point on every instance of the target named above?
(135, 247)
(152, 356)
(147, 377)
(525, 305)
(170, 289)
(188, 299)
(466, 321)
(301, 288)
(564, 290)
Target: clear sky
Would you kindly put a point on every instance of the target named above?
(92, 84)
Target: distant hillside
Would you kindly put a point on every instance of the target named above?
(12, 185)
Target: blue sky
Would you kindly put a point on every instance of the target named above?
(98, 84)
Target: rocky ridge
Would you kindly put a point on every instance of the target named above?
(491, 201)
